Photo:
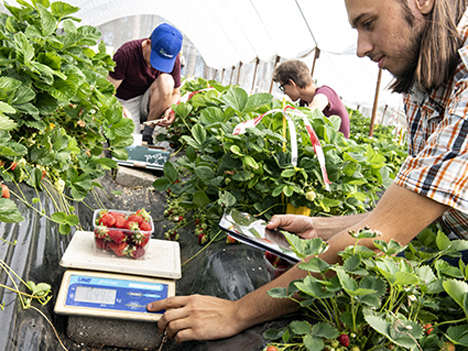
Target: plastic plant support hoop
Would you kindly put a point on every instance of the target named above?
(252, 123)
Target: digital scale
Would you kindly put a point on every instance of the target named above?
(107, 286)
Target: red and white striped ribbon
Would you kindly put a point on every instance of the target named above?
(252, 123)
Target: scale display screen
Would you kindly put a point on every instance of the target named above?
(95, 295)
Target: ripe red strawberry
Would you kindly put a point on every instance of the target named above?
(117, 236)
(101, 244)
(230, 240)
(135, 251)
(117, 214)
(43, 174)
(135, 218)
(5, 191)
(131, 225)
(101, 233)
(140, 238)
(202, 239)
(145, 214)
(271, 348)
(146, 227)
(13, 166)
(344, 340)
(272, 258)
(107, 220)
(120, 222)
(118, 249)
(428, 328)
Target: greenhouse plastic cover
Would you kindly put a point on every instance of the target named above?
(229, 32)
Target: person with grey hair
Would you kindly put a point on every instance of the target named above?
(294, 80)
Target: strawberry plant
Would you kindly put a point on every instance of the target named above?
(57, 109)
(401, 298)
(384, 139)
(196, 95)
(253, 172)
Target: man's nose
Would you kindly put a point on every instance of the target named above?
(364, 46)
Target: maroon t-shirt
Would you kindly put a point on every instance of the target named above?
(335, 107)
(135, 74)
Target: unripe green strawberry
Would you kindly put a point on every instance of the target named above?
(310, 195)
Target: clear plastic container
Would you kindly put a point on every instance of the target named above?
(122, 238)
(275, 265)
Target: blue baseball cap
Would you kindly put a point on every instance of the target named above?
(166, 42)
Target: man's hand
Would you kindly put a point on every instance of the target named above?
(166, 120)
(300, 225)
(126, 113)
(197, 317)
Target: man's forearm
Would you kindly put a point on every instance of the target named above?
(327, 227)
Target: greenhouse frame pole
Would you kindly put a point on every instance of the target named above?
(257, 60)
(278, 58)
(376, 99)
(222, 75)
(238, 73)
(383, 114)
(317, 55)
(232, 73)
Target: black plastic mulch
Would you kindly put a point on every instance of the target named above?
(223, 270)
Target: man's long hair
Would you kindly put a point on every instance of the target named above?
(439, 42)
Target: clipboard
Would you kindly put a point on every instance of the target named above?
(251, 231)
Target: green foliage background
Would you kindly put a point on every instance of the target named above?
(57, 109)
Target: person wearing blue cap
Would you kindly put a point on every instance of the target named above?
(147, 78)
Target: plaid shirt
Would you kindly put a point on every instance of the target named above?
(437, 165)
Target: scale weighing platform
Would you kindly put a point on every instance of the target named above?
(107, 286)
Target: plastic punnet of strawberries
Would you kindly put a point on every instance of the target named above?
(276, 265)
(124, 233)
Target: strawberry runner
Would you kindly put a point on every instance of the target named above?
(287, 112)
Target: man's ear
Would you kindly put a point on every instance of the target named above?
(425, 6)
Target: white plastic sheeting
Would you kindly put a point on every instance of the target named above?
(229, 32)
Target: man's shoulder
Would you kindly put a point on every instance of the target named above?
(131, 45)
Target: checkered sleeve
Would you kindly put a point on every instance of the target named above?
(440, 169)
